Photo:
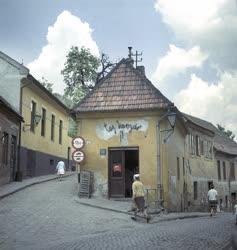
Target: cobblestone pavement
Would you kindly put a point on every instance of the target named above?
(47, 216)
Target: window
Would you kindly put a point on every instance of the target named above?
(33, 113)
(178, 169)
(51, 162)
(207, 149)
(224, 171)
(43, 122)
(52, 127)
(219, 170)
(60, 131)
(197, 147)
(183, 167)
(5, 140)
(192, 144)
(232, 171)
(195, 190)
(201, 147)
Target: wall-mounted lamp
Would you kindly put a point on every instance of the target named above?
(36, 120)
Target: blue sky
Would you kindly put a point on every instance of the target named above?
(189, 46)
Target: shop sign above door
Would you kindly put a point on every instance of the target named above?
(78, 142)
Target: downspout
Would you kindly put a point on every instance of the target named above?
(158, 162)
(19, 172)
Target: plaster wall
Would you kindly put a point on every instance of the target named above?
(34, 140)
(119, 130)
(10, 84)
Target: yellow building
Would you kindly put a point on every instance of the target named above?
(44, 133)
(212, 159)
(125, 126)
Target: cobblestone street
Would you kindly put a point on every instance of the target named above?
(47, 216)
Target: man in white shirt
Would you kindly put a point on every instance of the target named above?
(235, 212)
(212, 199)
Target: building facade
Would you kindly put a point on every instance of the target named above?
(124, 123)
(11, 73)
(44, 134)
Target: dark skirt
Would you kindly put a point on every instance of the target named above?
(140, 203)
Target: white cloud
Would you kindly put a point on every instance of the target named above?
(210, 24)
(67, 31)
(176, 61)
(216, 103)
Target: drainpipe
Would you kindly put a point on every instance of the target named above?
(158, 161)
(19, 172)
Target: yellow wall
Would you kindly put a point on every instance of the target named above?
(34, 140)
(145, 140)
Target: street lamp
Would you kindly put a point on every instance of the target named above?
(36, 119)
(171, 117)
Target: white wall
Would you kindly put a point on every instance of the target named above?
(10, 77)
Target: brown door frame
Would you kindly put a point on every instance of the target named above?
(123, 160)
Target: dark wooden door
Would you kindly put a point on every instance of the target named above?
(116, 174)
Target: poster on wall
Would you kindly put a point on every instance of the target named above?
(117, 170)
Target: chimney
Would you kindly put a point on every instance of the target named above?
(130, 59)
(130, 52)
(141, 69)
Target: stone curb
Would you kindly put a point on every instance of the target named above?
(31, 184)
(159, 219)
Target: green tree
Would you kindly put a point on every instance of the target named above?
(48, 85)
(82, 71)
(228, 133)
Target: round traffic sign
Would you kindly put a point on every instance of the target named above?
(78, 156)
(78, 142)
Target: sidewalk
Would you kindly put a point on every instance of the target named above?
(123, 206)
(14, 187)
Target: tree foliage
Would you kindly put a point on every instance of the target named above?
(48, 85)
(228, 133)
(82, 71)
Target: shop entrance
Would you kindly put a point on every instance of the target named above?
(123, 164)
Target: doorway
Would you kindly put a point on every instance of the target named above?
(123, 164)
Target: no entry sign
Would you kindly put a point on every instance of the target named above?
(78, 142)
(78, 156)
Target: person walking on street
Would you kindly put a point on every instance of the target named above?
(235, 212)
(138, 197)
(212, 200)
(60, 169)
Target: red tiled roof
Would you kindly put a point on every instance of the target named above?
(124, 88)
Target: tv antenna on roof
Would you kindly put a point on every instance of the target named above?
(136, 55)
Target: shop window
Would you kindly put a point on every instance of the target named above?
(219, 170)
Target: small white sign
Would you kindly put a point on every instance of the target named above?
(78, 156)
(78, 142)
